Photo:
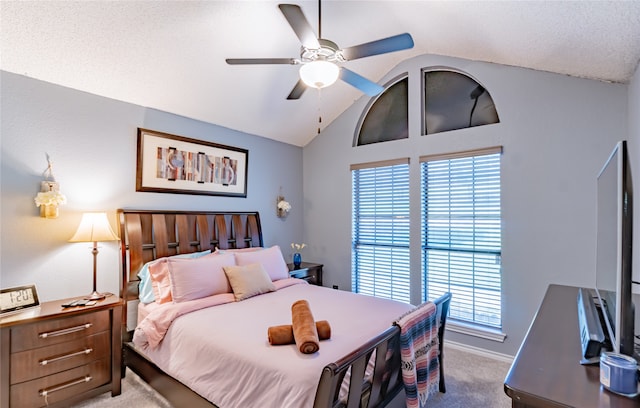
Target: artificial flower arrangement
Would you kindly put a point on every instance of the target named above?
(284, 206)
(50, 198)
(297, 258)
(297, 247)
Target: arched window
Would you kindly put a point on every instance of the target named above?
(453, 100)
(387, 117)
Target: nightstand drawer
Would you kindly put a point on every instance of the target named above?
(61, 386)
(36, 363)
(56, 331)
(309, 275)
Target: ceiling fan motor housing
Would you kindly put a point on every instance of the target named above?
(328, 51)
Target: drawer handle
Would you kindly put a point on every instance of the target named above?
(65, 331)
(54, 359)
(47, 391)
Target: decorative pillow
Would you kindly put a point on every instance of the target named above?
(145, 287)
(270, 258)
(248, 280)
(200, 277)
(159, 272)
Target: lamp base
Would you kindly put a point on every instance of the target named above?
(96, 296)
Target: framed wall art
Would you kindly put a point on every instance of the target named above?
(175, 164)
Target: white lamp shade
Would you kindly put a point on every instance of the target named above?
(94, 227)
(318, 74)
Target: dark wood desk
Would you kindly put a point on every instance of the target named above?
(546, 372)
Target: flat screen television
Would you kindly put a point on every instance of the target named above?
(613, 249)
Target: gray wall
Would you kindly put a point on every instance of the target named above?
(92, 142)
(556, 130)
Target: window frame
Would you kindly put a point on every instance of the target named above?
(390, 265)
(467, 326)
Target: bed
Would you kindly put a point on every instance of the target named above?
(359, 366)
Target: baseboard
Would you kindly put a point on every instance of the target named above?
(479, 351)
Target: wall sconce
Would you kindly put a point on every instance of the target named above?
(49, 197)
(94, 227)
(282, 207)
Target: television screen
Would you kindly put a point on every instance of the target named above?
(613, 250)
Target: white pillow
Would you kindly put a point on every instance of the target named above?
(200, 277)
(270, 258)
(248, 280)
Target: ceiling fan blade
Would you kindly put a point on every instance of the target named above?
(297, 90)
(256, 61)
(300, 25)
(368, 87)
(383, 46)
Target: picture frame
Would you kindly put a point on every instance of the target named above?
(18, 299)
(169, 163)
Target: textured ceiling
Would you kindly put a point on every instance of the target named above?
(170, 55)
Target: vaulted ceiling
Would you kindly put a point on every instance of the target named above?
(170, 55)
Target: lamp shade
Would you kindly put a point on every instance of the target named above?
(318, 74)
(94, 227)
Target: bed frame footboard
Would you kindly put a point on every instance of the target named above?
(378, 388)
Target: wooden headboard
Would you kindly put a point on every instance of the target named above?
(151, 234)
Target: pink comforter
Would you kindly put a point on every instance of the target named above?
(222, 352)
(152, 329)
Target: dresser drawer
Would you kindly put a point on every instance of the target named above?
(61, 386)
(56, 331)
(35, 363)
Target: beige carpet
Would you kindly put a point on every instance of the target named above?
(472, 381)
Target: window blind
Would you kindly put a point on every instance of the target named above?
(380, 230)
(461, 230)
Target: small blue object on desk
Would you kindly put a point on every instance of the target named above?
(619, 374)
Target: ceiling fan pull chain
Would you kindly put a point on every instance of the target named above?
(319, 109)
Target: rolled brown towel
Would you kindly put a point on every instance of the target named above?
(304, 327)
(280, 335)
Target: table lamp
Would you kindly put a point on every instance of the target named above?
(94, 227)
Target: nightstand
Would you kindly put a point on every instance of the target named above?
(311, 272)
(55, 357)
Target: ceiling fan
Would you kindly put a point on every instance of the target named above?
(320, 58)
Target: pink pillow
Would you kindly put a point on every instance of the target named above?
(159, 275)
(200, 277)
(270, 258)
(159, 272)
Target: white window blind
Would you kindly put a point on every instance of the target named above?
(461, 230)
(380, 230)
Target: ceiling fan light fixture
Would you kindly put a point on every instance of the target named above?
(319, 74)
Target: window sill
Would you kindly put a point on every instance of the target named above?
(476, 331)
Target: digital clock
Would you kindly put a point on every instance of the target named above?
(18, 298)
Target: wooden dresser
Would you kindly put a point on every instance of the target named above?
(52, 356)
(546, 372)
